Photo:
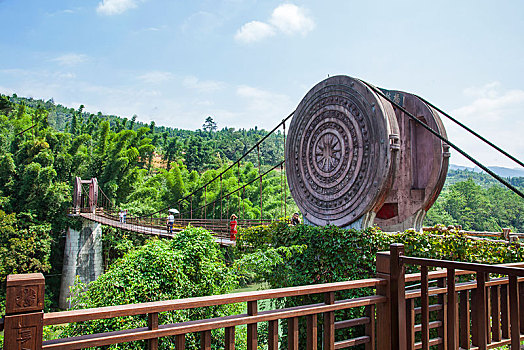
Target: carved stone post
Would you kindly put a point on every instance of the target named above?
(23, 325)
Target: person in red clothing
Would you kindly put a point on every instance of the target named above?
(233, 227)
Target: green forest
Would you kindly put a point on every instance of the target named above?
(145, 167)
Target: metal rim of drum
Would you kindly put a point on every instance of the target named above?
(337, 152)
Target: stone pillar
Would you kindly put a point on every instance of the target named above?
(82, 257)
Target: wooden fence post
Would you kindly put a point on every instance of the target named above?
(397, 294)
(24, 315)
(383, 309)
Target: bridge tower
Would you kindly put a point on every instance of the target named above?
(83, 246)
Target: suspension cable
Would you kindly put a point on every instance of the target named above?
(243, 187)
(472, 131)
(442, 138)
(231, 166)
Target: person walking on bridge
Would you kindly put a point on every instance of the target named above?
(233, 227)
(170, 222)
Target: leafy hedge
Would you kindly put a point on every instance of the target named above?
(190, 265)
(297, 255)
(287, 256)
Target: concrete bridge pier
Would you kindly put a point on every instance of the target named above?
(82, 257)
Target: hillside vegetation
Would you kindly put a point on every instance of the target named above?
(145, 167)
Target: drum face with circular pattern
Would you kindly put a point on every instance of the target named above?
(338, 158)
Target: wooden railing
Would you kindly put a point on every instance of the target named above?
(479, 314)
(483, 313)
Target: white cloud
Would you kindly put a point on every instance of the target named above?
(291, 19)
(264, 104)
(494, 113)
(286, 18)
(115, 7)
(201, 23)
(70, 59)
(155, 77)
(254, 31)
(193, 82)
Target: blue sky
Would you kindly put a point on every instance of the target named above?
(248, 63)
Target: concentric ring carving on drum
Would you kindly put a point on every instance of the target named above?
(335, 148)
(327, 152)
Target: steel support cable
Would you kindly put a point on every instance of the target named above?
(243, 187)
(472, 132)
(442, 138)
(232, 165)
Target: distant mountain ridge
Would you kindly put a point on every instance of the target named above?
(500, 171)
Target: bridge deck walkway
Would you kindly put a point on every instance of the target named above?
(144, 229)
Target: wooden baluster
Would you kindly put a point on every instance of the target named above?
(479, 322)
(474, 329)
(329, 322)
(230, 338)
(424, 301)
(495, 313)
(311, 342)
(464, 320)
(442, 331)
(152, 323)
(370, 327)
(292, 333)
(410, 323)
(451, 311)
(504, 311)
(272, 341)
(205, 340)
(521, 304)
(514, 312)
(488, 312)
(252, 310)
(180, 342)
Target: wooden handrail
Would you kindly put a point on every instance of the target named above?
(213, 300)
(208, 324)
(502, 270)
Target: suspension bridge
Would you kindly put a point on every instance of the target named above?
(355, 156)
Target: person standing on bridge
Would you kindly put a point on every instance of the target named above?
(233, 227)
(170, 222)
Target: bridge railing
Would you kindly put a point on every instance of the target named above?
(456, 311)
(158, 224)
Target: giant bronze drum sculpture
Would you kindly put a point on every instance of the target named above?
(353, 160)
